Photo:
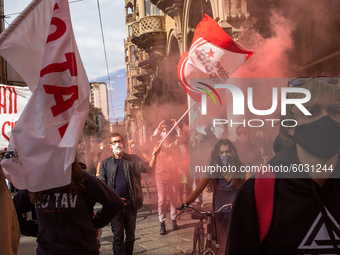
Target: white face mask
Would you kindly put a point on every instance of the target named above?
(101, 147)
(117, 148)
(163, 135)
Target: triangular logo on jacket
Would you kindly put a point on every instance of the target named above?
(317, 240)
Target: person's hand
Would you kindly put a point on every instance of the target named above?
(160, 125)
(156, 150)
(179, 206)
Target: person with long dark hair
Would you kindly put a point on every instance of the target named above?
(223, 185)
(65, 220)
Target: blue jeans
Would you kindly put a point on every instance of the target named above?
(125, 220)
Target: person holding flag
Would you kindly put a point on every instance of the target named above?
(65, 223)
(166, 174)
(40, 45)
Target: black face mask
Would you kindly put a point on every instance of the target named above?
(320, 138)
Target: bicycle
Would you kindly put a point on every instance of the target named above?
(199, 235)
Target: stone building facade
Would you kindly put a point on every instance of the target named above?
(160, 31)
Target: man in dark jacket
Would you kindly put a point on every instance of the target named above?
(122, 172)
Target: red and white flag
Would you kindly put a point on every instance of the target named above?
(213, 54)
(41, 46)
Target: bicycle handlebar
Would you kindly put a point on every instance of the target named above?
(185, 206)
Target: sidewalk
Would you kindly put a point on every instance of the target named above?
(148, 239)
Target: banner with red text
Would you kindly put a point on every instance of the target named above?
(44, 140)
(13, 100)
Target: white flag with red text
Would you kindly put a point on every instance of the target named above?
(212, 54)
(41, 46)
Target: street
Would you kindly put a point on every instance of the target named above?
(148, 239)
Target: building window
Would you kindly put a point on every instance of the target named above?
(130, 31)
(132, 53)
(151, 9)
(129, 10)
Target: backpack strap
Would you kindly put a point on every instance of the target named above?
(264, 199)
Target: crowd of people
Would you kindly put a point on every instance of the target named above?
(301, 212)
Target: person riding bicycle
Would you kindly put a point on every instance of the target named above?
(223, 185)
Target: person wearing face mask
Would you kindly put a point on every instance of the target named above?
(122, 172)
(224, 187)
(305, 203)
(166, 174)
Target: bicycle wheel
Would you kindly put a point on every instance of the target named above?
(209, 253)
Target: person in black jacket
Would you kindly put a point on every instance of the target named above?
(306, 201)
(122, 172)
(66, 223)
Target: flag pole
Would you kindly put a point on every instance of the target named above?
(160, 144)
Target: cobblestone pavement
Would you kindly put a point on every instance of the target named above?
(148, 239)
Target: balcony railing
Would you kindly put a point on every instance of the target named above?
(152, 24)
(138, 94)
(149, 33)
(147, 64)
(141, 86)
(141, 54)
(133, 100)
(135, 29)
(142, 75)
